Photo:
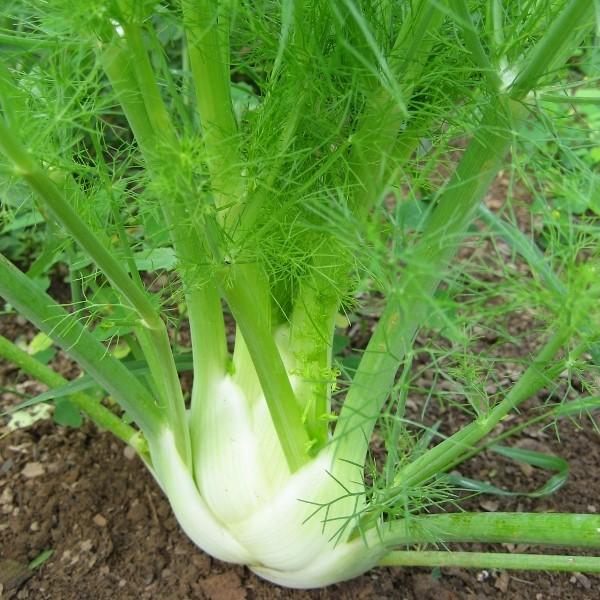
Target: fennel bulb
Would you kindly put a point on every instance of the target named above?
(279, 537)
(240, 502)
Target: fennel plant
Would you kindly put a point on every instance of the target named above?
(281, 160)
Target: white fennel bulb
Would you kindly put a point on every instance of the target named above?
(241, 504)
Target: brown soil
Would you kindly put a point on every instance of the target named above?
(79, 493)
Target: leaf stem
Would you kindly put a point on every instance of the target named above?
(103, 417)
(473, 43)
(436, 459)
(492, 560)
(210, 71)
(575, 19)
(408, 307)
(140, 97)
(64, 328)
(279, 395)
(552, 529)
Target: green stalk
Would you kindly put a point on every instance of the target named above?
(375, 137)
(156, 110)
(437, 459)
(552, 529)
(455, 209)
(488, 560)
(100, 415)
(51, 318)
(311, 337)
(245, 291)
(118, 67)
(62, 211)
(409, 307)
(473, 43)
(11, 98)
(496, 17)
(281, 401)
(564, 99)
(378, 128)
(156, 348)
(26, 43)
(213, 95)
(139, 96)
(556, 45)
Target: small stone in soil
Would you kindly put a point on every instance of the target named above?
(502, 582)
(137, 512)
(226, 586)
(99, 520)
(489, 505)
(483, 576)
(582, 580)
(33, 469)
(6, 498)
(129, 453)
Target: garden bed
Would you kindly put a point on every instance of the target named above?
(113, 535)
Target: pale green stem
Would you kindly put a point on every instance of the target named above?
(204, 308)
(549, 529)
(473, 43)
(496, 17)
(159, 118)
(377, 131)
(213, 96)
(139, 96)
(244, 289)
(378, 128)
(17, 40)
(407, 309)
(64, 328)
(244, 292)
(489, 560)
(311, 337)
(564, 34)
(281, 401)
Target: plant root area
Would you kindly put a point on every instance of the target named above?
(85, 497)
